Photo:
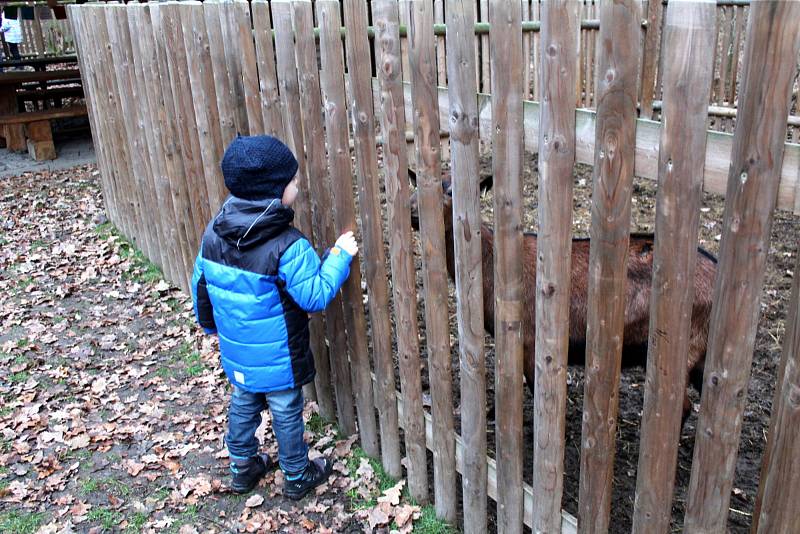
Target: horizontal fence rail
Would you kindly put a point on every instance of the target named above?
(170, 84)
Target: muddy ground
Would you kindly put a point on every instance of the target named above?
(783, 247)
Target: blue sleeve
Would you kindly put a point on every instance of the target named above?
(5, 27)
(311, 283)
(203, 310)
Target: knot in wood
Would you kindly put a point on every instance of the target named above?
(552, 50)
(793, 398)
(714, 379)
(610, 75)
(362, 117)
(549, 290)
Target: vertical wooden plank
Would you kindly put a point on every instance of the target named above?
(310, 112)
(129, 180)
(141, 25)
(779, 491)
(267, 77)
(204, 99)
(393, 126)
(560, 28)
(290, 100)
(466, 234)
(725, 56)
(171, 36)
(535, 53)
(617, 67)
(758, 145)
(507, 128)
(233, 63)
(526, 52)
(246, 52)
(434, 276)
(362, 120)
(147, 130)
(38, 36)
(650, 56)
(486, 71)
(94, 103)
(739, 24)
(688, 35)
(187, 215)
(582, 78)
(441, 64)
(212, 10)
(587, 58)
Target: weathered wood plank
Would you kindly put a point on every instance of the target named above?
(617, 67)
(689, 35)
(212, 10)
(204, 98)
(233, 62)
(772, 43)
(650, 56)
(140, 23)
(362, 121)
(506, 60)
(168, 115)
(267, 77)
(244, 49)
(779, 491)
(393, 127)
(466, 232)
(429, 175)
(560, 25)
(171, 34)
(140, 77)
(290, 105)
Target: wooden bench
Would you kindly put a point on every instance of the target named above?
(32, 131)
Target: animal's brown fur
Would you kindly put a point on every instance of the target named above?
(637, 310)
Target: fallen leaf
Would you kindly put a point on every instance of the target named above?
(254, 501)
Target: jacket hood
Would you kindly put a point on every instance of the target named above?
(246, 223)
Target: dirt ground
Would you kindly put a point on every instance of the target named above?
(113, 404)
(776, 294)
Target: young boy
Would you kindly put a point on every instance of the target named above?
(255, 280)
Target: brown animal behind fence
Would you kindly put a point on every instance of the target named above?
(637, 297)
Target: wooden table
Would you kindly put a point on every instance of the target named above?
(31, 131)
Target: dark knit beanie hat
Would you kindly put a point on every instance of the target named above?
(257, 167)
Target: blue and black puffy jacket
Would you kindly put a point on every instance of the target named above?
(255, 280)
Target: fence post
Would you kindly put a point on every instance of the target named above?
(758, 146)
(559, 40)
(267, 77)
(688, 35)
(617, 67)
(650, 56)
(293, 136)
(467, 238)
(432, 236)
(779, 492)
(393, 126)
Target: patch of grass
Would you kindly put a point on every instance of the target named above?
(136, 522)
(21, 360)
(23, 342)
(18, 378)
(164, 372)
(39, 243)
(3, 471)
(25, 282)
(316, 424)
(174, 304)
(107, 518)
(161, 494)
(385, 481)
(78, 454)
(90, 486)
(194, 366)
(117, 487)
(5, 445)
(141, 269)
(20, 522)
(428, 523)
(6, 410)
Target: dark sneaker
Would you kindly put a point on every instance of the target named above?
(317, 471)
(246, 475)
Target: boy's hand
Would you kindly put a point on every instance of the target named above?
(347, 243)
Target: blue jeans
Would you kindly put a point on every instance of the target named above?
(244, 417)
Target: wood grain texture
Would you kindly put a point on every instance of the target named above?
(772, 43)
(204, 99)
(688, 34)
(244, 48)
(464, 136)
(560, 27)
(310, 107)
(506, 60)
(212, 10)
(171, 32)
(393, 126)
(293, 137)
(362, 122)
(342, 193)
(267, 77)
(617, 75)
(650, 56)
(779, 492)
(422, 61)
(233, 65)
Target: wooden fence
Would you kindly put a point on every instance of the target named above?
(170, 84)
(44, 34)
